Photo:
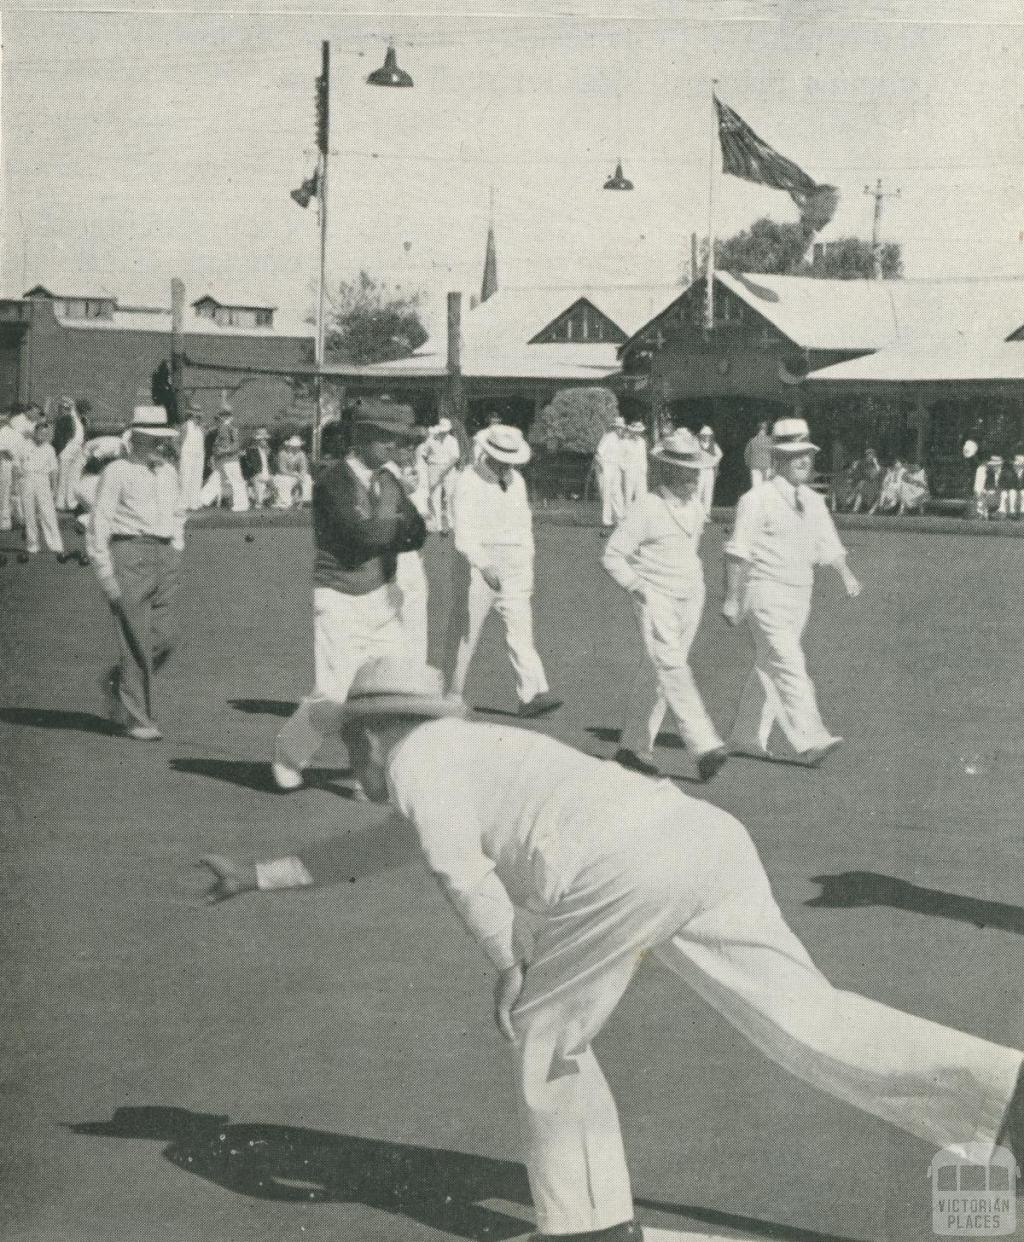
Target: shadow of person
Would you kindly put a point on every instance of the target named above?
(669, 740)
(46, 718)
(264, 707)
(867, 888)
(440, 1189)
(258, 775)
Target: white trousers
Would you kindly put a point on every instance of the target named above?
(292, 489)
(613, 505)
(474, 600)
(634, 485)
(6, 492)
(412, 582)
(70, 462)
(439, 512)
(348, 632)
(779, 689)
(39, 513)
(706, 489)
(226, 480)
(693, 890)
(260, 489)
(664, 680)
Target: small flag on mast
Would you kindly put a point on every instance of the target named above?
(747, 156)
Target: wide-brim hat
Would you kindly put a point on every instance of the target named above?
(392, 686)
(637, 426)
(995, 460)
(151, 420)
(505, 444)
(387, 416)
(618, 421)
(679, 449)
(261, 433)
(444, 425)
(293, 442)
(792, 436)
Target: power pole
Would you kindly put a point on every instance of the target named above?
(323, 97)
(177, 343)
(876, 228)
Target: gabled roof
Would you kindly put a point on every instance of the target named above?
(234, 303)
(866, 315)
(963, 360)
(41, 291)
(155, 319)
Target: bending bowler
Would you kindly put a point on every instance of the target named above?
(612, 865)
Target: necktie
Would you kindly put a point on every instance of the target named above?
(798, 504)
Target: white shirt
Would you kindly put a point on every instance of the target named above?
(609, 449)
(779, 543)
(38, 459)
(633, 455)
(11, 442)
(511, 820)
(133, 498)
(485, 515)
(655, 546)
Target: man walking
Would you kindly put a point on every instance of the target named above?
(493, 529)
(783, 531)
(362, 522)
(192, 455)
(612, 866)
(608, 460)
(654, 556)
(135, 541)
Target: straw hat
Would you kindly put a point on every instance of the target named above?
(293, 442)
(261, 433)
(791, 436)
(151, 420)
(619, 422)
(679, 449)
(392, 686)
(505, 444)
(444, 425)
(637, 426)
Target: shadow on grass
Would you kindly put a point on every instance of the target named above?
(443, 1190)
(46, 718)
(669, 740)
(866, 888)
(263, 707)
(257, 775)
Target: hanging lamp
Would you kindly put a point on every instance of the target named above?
(389, 74)
(617, 181)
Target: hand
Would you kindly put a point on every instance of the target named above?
(490, 576)
(637, 593)
(111, 590)
(851, 584)
(731, 610)
(506, 992)
(229, 879)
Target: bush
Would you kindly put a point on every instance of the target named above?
(574, 421)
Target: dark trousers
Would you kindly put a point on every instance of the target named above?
(148, 573)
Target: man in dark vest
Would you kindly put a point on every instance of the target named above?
(362, 520)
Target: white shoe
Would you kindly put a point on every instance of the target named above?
(285, 778)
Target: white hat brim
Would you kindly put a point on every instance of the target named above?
(508, 457)
(661, 456)
(794, 448)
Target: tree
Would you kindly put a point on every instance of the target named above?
(782, 250)
(369, 322)
(574, 420)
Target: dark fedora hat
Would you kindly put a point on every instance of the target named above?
(383, 414)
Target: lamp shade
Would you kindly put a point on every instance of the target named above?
(389, 74)
(617, 181)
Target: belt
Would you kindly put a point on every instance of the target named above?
(144, 538)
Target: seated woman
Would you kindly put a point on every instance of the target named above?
(293, 483)
(868, 473)
(913, 489)
(889, 495)
(844, 489)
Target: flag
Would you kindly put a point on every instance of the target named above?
(747, 156)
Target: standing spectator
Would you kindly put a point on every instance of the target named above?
(758, 455)
(608, 463)
(783, 530)
(634, 464)
(988, 486)
(494, 537)
(914, 489)
(709, 467)
(362, 520)
(256, 467)
(293, 483)
(226, 479)
(192, 455)
(1012, 483)
(653, 555)
(10, 447)
(68, 441)
(442, 456)
(136, 537)
(410, 575)
(868, 487)
(37, 475)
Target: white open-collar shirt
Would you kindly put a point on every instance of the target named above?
(780, 542)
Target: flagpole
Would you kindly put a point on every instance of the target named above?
(323, 113)
(709, 292)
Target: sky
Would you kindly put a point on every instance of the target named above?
(140, 145)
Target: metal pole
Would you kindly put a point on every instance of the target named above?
(709, 293)
(177, 342)
(323, 126)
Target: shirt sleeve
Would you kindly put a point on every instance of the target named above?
(827, 545)
(449, 836)
(744, 531)
(623, 545)
(465, 520)
(108, 493)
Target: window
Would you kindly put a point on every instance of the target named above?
(264, 318)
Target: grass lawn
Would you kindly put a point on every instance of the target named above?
(322, 1065)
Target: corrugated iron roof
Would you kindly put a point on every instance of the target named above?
(153, 320)
(959, 360)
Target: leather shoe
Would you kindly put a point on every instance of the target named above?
(631, 760)
(814, 758)
(711, 763)
(540, 705)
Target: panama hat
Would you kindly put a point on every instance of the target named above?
(293, 442)
(637, 426)
(679, 449)
(392, 686)
(618, 421)
(705, 431)
(383, 414)
(151, 420)
(505, 444)
(995, 460)
(261, 433)
(444, 425)
(792, 436)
